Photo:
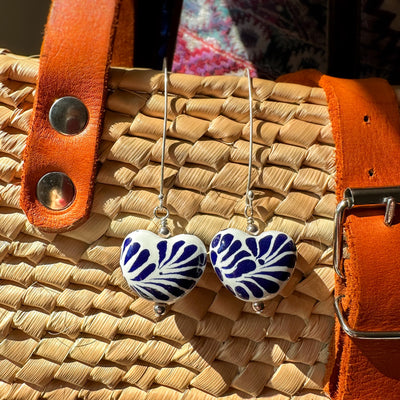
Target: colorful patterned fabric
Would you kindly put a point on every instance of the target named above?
(274, 37)
(270, 37)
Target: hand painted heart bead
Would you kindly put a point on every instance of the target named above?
(253, 268)
(162, 270)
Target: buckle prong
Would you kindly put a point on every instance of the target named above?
(390, 210)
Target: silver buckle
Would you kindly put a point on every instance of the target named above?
(366, 197)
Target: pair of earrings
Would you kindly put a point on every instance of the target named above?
(163, 269)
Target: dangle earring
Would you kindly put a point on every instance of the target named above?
(161, 268)
(253, 267)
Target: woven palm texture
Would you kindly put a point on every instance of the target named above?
(70, 328)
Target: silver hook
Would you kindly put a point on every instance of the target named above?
(248, 211)
(164, 230)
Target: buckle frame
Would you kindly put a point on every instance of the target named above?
(365, 197)
(376, 335)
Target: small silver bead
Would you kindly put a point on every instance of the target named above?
(160, 309)
(258, 306)
(250, 194)
(164, 231)
(252, 228)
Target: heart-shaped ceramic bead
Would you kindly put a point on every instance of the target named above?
(253, 268)
(162, 270)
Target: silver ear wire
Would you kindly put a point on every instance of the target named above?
(164, 230)
(248, 210)
(161, 268)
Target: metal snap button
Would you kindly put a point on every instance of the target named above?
(55, 191)
(68, 115)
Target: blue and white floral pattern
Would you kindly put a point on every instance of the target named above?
(253, 268)
(162, 270)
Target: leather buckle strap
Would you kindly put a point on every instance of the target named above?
(365, 123)
(364, 197)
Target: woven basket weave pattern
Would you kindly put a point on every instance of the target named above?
(71, 328)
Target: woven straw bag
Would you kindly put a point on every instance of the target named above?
(71, 328)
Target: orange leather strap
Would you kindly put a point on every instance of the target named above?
(75, 57)
(366, 127)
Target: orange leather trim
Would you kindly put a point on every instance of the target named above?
(366, 127)
(75, 57)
